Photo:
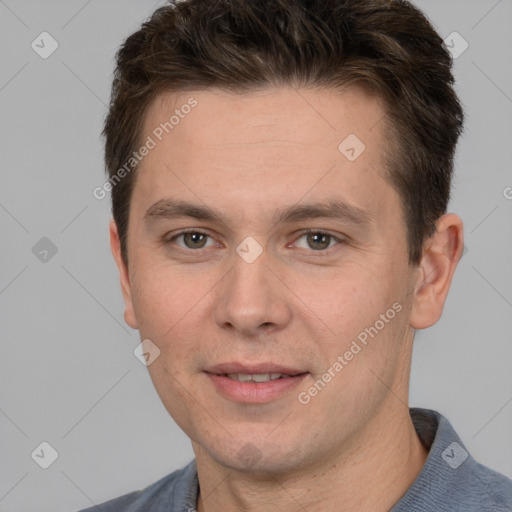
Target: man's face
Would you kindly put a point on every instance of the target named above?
(252, 292)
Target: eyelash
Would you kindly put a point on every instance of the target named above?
(302, 234)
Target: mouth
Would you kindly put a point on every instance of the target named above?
(256, 377)
(255, 384)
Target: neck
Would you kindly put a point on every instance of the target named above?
(373, 474)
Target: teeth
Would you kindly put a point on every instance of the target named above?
(243, 378)
(261, 377)
(254, 377)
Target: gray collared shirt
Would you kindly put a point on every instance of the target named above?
(451, 480)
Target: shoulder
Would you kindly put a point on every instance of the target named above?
(489, 489)
(167, 494)
(476, 487)
(451, 478)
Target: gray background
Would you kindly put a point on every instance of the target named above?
(68, 375)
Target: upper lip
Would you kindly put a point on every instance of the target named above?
(251, 369)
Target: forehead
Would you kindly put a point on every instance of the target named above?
(264, 148)
(307, 115)
(308, 128)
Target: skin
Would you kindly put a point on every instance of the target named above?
(301, 303)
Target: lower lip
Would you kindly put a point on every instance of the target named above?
(255, 392)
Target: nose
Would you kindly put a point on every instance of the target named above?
(251, 299)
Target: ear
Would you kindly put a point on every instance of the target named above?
(441, 253)
(124, 276)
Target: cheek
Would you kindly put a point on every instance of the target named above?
(344, 300)
(168, 310)
(362, 312)
(160, 299)
(173, 310)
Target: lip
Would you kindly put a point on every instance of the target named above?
(235, 367)
(254, 392)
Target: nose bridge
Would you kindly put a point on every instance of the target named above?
(251, 297)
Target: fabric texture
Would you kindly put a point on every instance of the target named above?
(451, 480)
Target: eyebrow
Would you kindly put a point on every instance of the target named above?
(330, 209)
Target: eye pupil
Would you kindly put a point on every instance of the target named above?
(316, 237)
(195, 238)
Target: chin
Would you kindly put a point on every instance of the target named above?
(258, 457)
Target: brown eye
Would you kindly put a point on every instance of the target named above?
(318, 241)
(194, 240)
(191, 240)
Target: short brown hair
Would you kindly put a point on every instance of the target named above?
(386, 46)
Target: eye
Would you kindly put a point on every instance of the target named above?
(191, 239)
(318, 240)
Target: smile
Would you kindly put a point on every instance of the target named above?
(255, 388)
(256, 377)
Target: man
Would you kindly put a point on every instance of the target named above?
(280, 173)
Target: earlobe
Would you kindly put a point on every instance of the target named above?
(441, 254)
(124, 277)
